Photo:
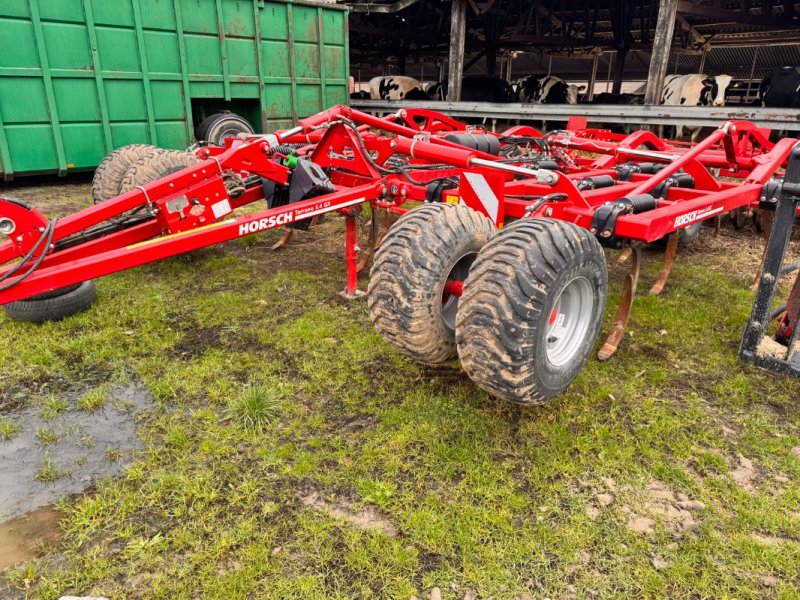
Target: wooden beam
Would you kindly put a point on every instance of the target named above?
(458, 31)
(734, 16)
(592, 76)
(662, 42)
(369, 7)
(697, 38)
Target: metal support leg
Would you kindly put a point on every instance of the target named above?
(666, 266)
(767, 217)
(351, 258)
(757, 348)
(624, 308)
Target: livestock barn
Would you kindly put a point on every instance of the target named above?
(605, 52)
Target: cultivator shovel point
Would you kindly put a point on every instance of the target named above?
(502, 265)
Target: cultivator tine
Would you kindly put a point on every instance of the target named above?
(365, 255)
(288, 234)
(388, 220)
(717, 224)
(624, 309)
(767, 217)
(626, 254)
(666, 266)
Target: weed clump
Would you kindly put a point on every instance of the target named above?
(49, 471)
(255, 407)
(8, 430)
(52, 407)
(93, 400)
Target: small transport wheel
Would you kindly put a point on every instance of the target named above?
(215, 128)
(54, 305)
(109, 173)
(532, 308)
(417, 275)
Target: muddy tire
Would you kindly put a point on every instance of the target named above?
(531, 310)
(424, 249)
(155, 166)
(55, 305)
(109, 173)
(152, 166)
(215, 128)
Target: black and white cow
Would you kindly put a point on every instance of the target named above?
(695, 90)
(780, 88)
(475, 89)
(609, 98)
(546, 89)
(394, 87)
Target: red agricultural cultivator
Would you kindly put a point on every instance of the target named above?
(502, 265)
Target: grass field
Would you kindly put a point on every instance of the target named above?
(291, 453)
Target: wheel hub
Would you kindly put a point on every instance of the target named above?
(569, 321)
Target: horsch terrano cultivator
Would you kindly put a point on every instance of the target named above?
(502, 265)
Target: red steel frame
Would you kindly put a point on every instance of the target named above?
(354, 149)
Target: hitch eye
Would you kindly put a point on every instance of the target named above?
(7, 226)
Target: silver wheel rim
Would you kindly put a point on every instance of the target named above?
(569, 321)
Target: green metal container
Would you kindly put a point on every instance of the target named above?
(79, 78)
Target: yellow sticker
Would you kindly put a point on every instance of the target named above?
(175, 235)
(451, 199)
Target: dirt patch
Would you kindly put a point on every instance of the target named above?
(659, 502)
(772, 541)
(24, 537)
(743, 471)
(366, 518)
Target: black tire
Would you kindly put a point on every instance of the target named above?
(109, 173)
(55, 305)
(215, 128)
(421, 251)
(155, 166)
(510, 298)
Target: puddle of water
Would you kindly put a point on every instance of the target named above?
(22, 539)
(87, 447)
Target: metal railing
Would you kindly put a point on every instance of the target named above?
(773, 118)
